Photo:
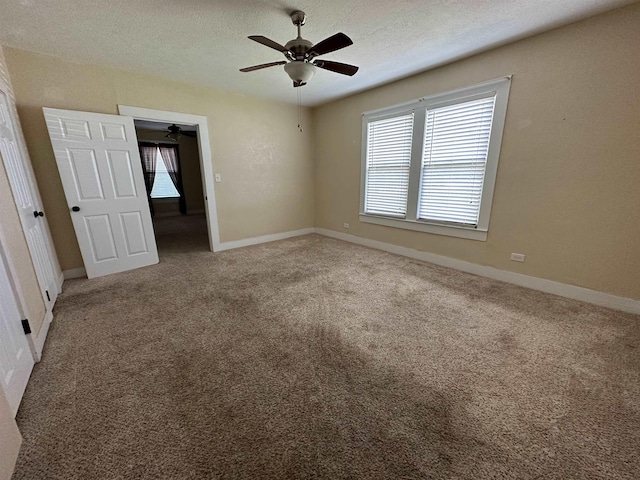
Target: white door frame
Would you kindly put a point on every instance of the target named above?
(206, 166)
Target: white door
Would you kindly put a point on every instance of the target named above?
(16, 361)
(28, 203)
(101, 173)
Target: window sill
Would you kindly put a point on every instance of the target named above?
(448, 230)
(165, 199)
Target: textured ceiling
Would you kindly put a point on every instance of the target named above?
(205, 41)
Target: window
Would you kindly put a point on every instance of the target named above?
(163, 186)
(430, 165)
(388, 163)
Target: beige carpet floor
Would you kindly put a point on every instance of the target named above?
(314, 358)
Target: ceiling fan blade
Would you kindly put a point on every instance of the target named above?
(337, 67)
(264, 65)
(268, 42)
(189, 134)
(331, 44)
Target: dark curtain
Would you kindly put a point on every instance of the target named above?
(169, 154)
(148, 158)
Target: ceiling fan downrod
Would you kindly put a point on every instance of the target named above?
(298, 18)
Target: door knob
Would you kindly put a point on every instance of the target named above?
(75, 209)
(38, 214)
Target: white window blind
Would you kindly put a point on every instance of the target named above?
(456, 144)
(388, 159)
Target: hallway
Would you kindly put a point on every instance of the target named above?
(181, 234)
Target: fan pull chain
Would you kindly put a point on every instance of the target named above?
(299, 107)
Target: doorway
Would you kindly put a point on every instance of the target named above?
(189, 123)
(99, 162)
(171, 165)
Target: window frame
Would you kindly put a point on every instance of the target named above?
(500, 87)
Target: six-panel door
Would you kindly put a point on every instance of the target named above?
(99, 164)
(27, 203)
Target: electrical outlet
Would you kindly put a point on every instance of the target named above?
(517, 257)
(218, 177)
(345, 225)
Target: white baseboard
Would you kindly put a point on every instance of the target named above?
(60, 282)
(263, 239)
(549, 286)
(74, 273)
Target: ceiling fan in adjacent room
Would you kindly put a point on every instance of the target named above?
(301, 54)
(174, 132)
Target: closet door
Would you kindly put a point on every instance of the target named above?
(25, 195)
(16, 361)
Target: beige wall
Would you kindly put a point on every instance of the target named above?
(568, 186)
(266, 164)
(190, 166)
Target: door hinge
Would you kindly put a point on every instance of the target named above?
(48, 297)
(26, 327)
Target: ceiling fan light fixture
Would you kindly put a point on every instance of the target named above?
(299, 71)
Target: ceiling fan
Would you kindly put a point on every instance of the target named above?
(174, 131)
(301, 54)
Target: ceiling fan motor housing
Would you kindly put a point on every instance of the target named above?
(299, 47)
